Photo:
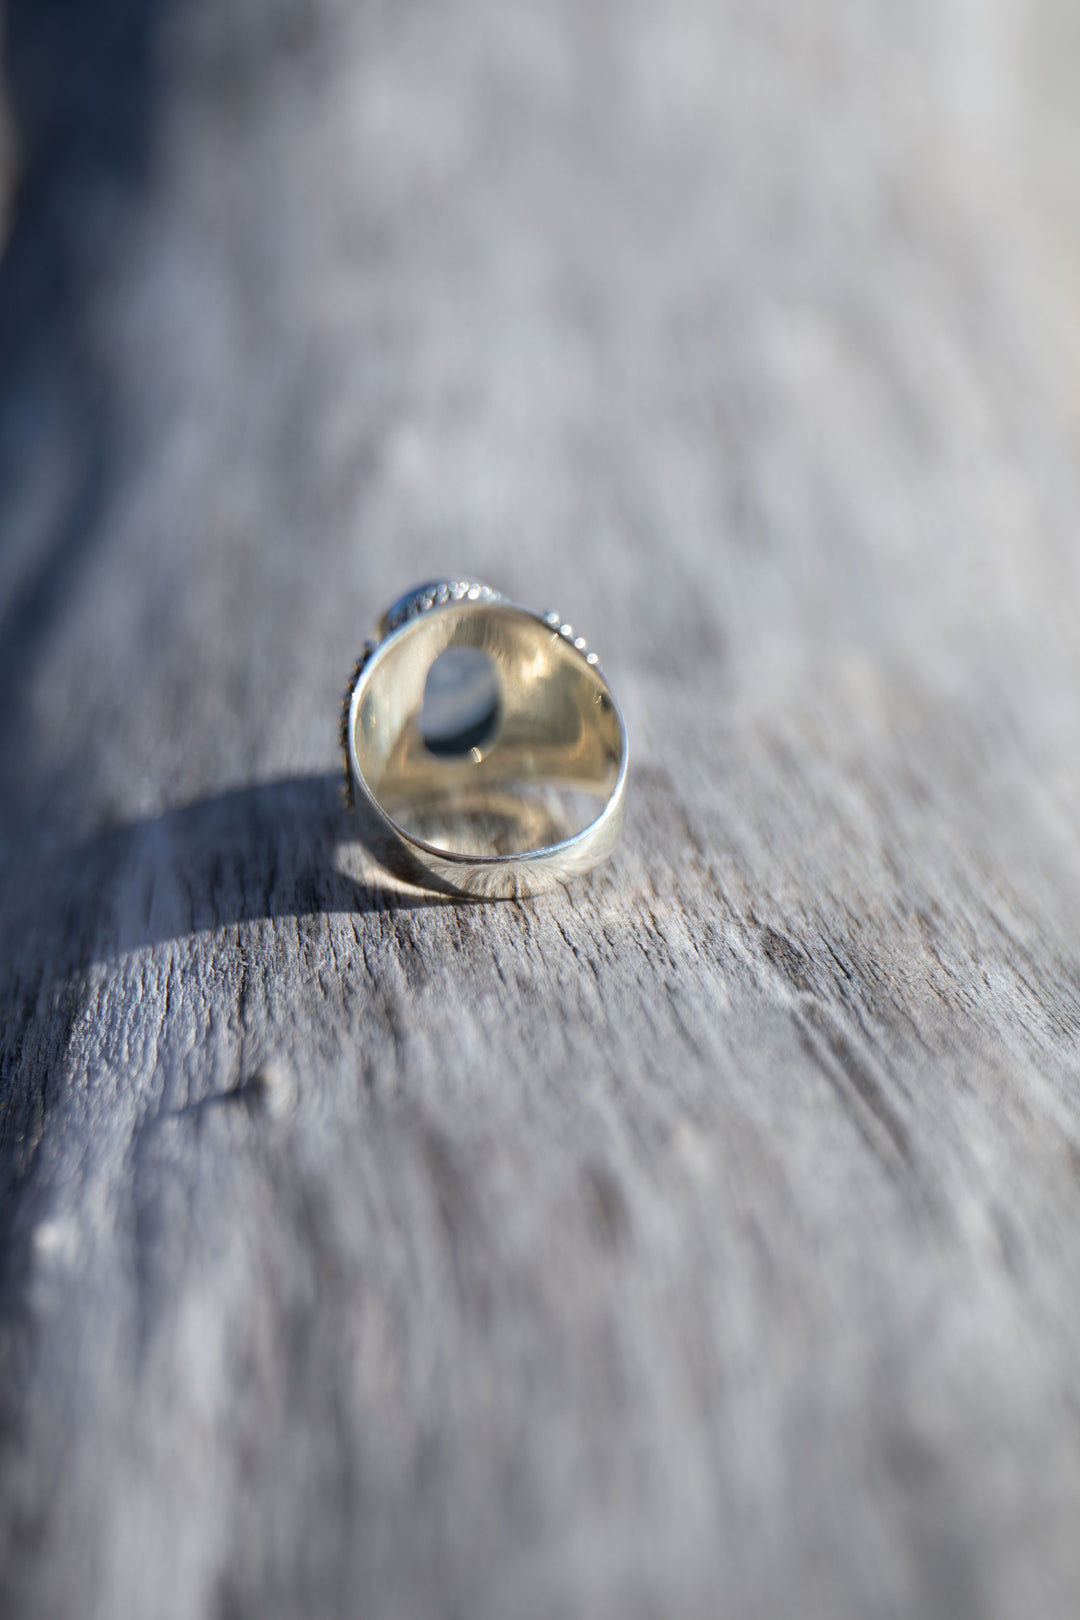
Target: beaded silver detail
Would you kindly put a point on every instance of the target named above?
(578, 643)
(437, 593)
(343, 730)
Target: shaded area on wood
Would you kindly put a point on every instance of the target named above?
(257, 854)
(79, 83)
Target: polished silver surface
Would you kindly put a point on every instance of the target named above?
(485, 752)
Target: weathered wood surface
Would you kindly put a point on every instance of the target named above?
(706, 1240)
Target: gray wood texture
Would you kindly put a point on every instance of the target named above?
(705, 1240)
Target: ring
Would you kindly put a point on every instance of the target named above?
(485, 754)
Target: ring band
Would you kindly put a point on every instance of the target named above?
(523, 787)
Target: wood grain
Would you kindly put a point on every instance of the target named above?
(701, 1241)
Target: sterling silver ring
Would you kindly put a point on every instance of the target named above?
(485, 754)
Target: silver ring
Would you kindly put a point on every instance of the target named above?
(485, 753)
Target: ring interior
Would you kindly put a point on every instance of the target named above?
(547, 771)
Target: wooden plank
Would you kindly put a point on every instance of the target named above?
(699, 1241)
